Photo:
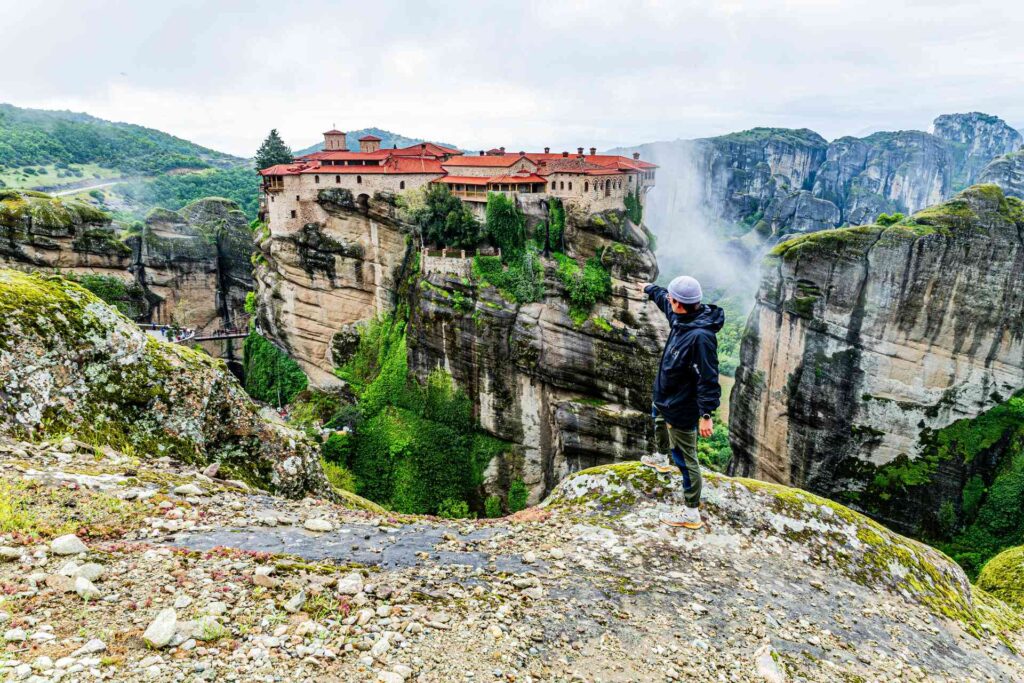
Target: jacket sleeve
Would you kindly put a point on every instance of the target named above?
(659, 295)
(705, 363)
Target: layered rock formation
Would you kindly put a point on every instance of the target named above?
(570, 395)
(70, 363)
(1008, 173)
(341, 265)
(776, 181)
(190, 267)
(866, 342)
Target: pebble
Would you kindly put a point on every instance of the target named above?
(67, 545)
(160, 632)
(295, 603)
(90, 570)
(86, 589)
(15, 635)
(90, 648)
(9, 554)
(350, 584)
(314, 524)
(188, 490)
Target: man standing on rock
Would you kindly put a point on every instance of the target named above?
(686, 390)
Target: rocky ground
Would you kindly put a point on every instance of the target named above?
(114, 569)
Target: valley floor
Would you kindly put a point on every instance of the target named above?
(552, 594)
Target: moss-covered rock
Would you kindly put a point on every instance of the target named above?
(826, 534)
(71, 364)
(1003, 576)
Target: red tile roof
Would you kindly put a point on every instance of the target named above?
(334, 131)
(370, 138)
(517, 178)
(344, 155)
(498, 161)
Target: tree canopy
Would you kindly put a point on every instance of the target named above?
(443, 219)
(506, 225)
(273, 151)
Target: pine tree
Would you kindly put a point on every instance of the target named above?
(273, 151)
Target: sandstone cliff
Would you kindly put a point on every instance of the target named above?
(1007, 172)
(71, 364)
(190, 267)
(570, 394)
(866, 344)
(771, 182)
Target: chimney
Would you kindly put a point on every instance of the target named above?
(565, 154)
(481, 152)
(502, 149)
(522, 153)
(423, 148)
(593, 151)
(579, 151)
(547, 150)
(636, 156)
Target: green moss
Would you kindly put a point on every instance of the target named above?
(270, 374)
(1003, 576)
(831, 242)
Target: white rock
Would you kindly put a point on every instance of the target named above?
(89, 570)
(161, 630)
(21, 672)
(42, 663)
(529, 557)
(85, 589)
(188, 490)
(216, 609)
(182, 601)
(90, 648)
(389, 677)
(67, 545)
(767, 668)
(402, 670)
(295, 603)
(9, 554)
(15, 635)
(557, 554)
(313, 524)
(382, 645)
(351, 584)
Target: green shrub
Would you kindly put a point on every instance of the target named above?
(270, 375)
(584, 286)
(250, 303)
(337, 448)
(634, 208)
(126, 296)
(506, 225)
(517, 496)
(492, 507)
(451, 508)
(338, 476)
(715, 452)
(886, 220)
(556, 221)
(442, 218)
(522, 281)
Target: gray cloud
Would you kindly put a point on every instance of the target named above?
(525, 74)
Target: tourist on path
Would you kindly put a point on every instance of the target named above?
(686, 389)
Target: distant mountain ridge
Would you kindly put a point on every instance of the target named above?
(388, 140)
(38, 138)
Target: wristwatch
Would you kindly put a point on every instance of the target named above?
(705, 416)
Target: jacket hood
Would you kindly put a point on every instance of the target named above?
(709, 317)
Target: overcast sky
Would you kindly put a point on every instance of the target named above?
(515, 73)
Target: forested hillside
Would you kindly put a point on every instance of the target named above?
(40, 148)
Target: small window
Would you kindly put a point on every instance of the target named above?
(337, 179)
(562, 186)
(359, 179)
(271, 199)
(316, 179)
(586, 186)
(401, 185)
(570, 186)
(293, 213)
(296, 197)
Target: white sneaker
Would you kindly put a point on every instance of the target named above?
(659, 462)
(687, 517)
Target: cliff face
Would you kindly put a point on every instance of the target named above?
(189, 266)
(1008, 173)
(866, 342)
(975, 139)
(571, 395)
(771, 182)
(341, 265)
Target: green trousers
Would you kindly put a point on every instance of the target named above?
(681, 445)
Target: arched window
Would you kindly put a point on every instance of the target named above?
(316, 179)
(337, 179)
(586, 186)
(359, 179)
(570, 186)
(563, 185)
(401, 184)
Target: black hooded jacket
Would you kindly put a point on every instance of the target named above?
(687, 383)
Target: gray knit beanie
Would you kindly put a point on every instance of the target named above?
(685, 289)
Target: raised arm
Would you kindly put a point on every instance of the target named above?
(659, 295)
